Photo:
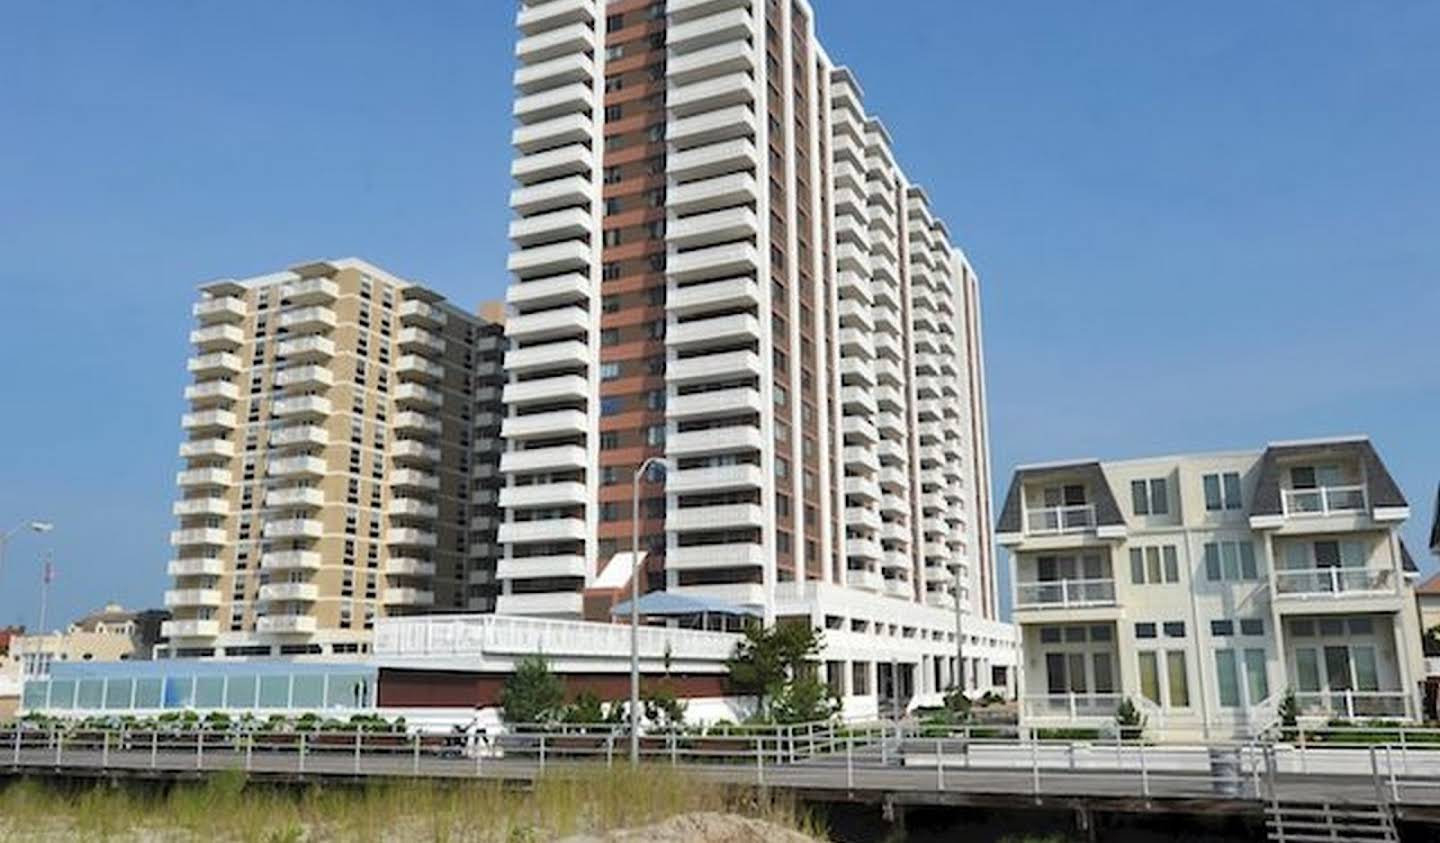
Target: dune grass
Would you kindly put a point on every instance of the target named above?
(227, 808)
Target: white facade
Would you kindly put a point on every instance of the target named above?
(717, 261)
(1202, 587)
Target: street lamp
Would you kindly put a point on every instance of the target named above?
(635, 603)
(32, 526)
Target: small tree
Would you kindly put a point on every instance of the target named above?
(532, 694)
(769, 659)
(1289, 712)
(663, 708)
(804, 700)
(1129, 720)
(1432, 640)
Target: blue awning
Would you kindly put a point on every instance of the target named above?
(669, 604)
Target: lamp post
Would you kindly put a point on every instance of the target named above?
(32, 526)
(635, 604)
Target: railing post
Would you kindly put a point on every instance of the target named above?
(850, 762)
(154, 749)
(1375, 776)
(56, 739)
(1144, 774)
(249, 751)
(1034, 767)
(199, 748)
(105, 749)
(304, 742)
(759, 758)
(358, 735)
(610, 750)
(415, 753)
(1390, 768)
(17, 744)
(1404, 752)
(1074, 709)
(939, 765)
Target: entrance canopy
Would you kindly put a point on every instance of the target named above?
(667, 604)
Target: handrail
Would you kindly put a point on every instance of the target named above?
(1047, 594)
(1322, 501)
(1059, 519)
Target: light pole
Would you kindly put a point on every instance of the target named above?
(32, 526)
(635, 604)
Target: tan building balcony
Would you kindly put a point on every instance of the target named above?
(185, 598)
(221, 309)
(286, 625)
(190, 628)
(290, 560)
(289, 592)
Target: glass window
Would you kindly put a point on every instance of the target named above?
(1230, 560)
(36, 693)
(1232, 491)
(346, 691)
(1256, 681)
(1137, 566)
(1212, 561)
(1179, 679)
(1367, 677)
(147, 692)
(240, 692)
(62, 693)
(1152, 564)
(1140, 497)
(1100, 633)
(1307, 669)
(1050, 635)
(307, 691)
(1172, 564)
(1144, 630)
(1150, 677)
(1213, 502)
(275, 691)
(1248, 569)
(1159, 497)
(1228, 679)
(210, 692)
(1104, 676)
(91, 694)
(1362, 626)
(179, 692)
(1075, 634)
(1337, 668)
(1174, 629)
(118, 692)
(1221, 629)
(1252, 626)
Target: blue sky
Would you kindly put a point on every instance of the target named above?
(1199, 226)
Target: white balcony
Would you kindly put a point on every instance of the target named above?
(717, 330)
(719, 402)
(857, 399)
(551, 195)
(409, 566)
(198, 537)
(299, 497)
(550, 43)
(535, 18)
(418, 396)
(223, 309)
(699, 557)
(418, 312)
(290, 467)
(724, 516)
(698, 33)
(711, 194)
(552, 102)
(713, 295)
(703, 162)
(548, 324)
(895, 587)
(736, 121)
(188, 507)
(302, 349)
(409, 478)
(713, 261)
(544, 604)
(311, 377)
(416, 368)
(547, 530)
(415, 451)
(709, 367)
(706, 229)
(863, 488)
(208, 448)
(550, 355)
(541, 567)
(412, 422)
(306, 435)
(543, 495)
(293, 592)
(310, 291)
(1056, 520)
(856, 314)
(862, 548)
(861, 457)
(208, 420)
(307, 320)
(556, 457)
(714, 479)
(290, 560)
(193, 628)
(214, 365)
(706, 94)
(857, 370)
(547, 134)
(864, 579)
(286, 625)
(185, 598)
(1331, 584)
(202, 477)
(408, 597)
(200, 566)
(412, 508)
(540, 261)
(411, 537)
(859, 516)
(217, 338)
(541, 425)
(308, 406)
(859, 429)
(295, 528)
(546, 390)
(940, 599)
(575, 67)
(1323, 501)
(210, 393)
(1065, 594)
(718, 440)
(418, 340)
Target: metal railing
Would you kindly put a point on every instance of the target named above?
(1049, 520)
(1353, 704)
(1323, 501)
(1064, 594)
(1072, 706)
(1354, 581)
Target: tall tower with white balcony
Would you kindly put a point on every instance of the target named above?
(327, 462)
(718, 261)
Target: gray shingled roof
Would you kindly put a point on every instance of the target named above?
(1381, 487)
(1435, 525)
(1407, 562)
(1107, 511)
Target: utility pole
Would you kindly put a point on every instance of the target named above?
(46, 576)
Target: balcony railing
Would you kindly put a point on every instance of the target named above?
(1324, 501)
(1054, 520)
(1343, 581)
(1072, 706)
(1352, 704)
(1064, 594)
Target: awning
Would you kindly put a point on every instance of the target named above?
(669, 604)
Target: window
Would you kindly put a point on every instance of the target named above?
(1227, 678)
(1222, 491)
(1154, 565)
(1144, 630)
(1222, 629)
(1150, 677)
(1149, 497)
(1179, 679)
(609, 371)
(1174, 629)
(610, 405)
(1252, 626)
(1230, 562)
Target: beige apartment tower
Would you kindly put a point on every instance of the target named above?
(329, 450)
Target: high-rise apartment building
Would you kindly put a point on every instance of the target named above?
(1204, 587)
(718, 263)
(328, 461)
